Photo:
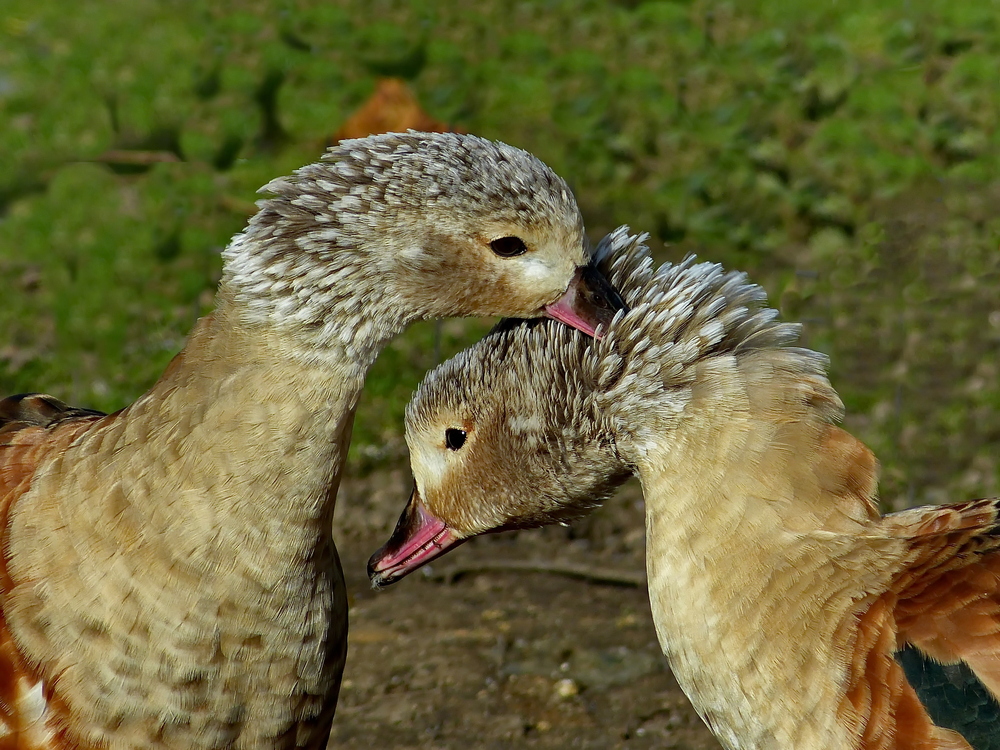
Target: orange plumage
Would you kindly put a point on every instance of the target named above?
(392, 108)
(33, 428)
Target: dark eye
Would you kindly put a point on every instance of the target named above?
(454, 439)
(508, 247)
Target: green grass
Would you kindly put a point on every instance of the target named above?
(846, 156)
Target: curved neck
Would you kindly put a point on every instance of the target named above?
(240, 412)
(754, 503)
(249, 426)
(335, 307)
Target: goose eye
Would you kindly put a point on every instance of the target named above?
(454, 439)
(509, 247)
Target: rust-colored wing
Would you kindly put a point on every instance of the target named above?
(953, 697)
(37, 410)
(33, 427)
(947, 615)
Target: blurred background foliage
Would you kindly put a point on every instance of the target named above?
(844, 154)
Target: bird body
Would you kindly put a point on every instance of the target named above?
(793, 615)
(169, 573)
(232, 594)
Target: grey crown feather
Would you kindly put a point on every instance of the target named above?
(320, 238)
(679, 314)
(360, 181)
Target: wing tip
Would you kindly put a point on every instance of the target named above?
(37, 410)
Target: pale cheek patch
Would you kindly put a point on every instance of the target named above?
(429, 466)
(537, 270)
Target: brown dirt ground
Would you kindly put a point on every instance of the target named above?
(459, 657)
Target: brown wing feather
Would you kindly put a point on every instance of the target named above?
(33, 427)
(879, 704)
(945, 601)
(949, 596)
(37, 410)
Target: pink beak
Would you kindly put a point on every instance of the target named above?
(417, 539)
(590, 301)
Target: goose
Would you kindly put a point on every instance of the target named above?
(169, 577)
(793, 614)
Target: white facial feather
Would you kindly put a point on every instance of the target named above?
(536, 269)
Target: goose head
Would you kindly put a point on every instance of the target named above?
(506, 435)
(398, 227)
(530, 453)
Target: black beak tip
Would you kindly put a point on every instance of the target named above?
(378, 579)
(399, 535)
(601, 293)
